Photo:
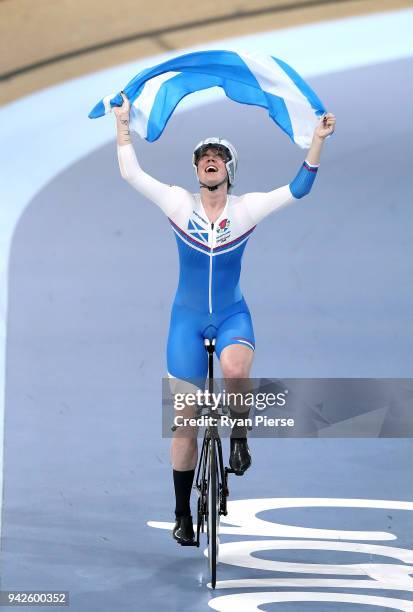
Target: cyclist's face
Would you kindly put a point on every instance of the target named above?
(211, 166)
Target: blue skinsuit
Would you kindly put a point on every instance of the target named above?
(208, 302)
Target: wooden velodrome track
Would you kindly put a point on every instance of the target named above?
(46, 42)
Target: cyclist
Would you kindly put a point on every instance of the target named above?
(211, 229)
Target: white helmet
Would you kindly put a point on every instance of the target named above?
(232, 157)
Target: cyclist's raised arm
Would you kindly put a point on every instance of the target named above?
(169, 198)
(259, 205)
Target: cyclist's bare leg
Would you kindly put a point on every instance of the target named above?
(236, 361)
(184, 447)
(184, 453)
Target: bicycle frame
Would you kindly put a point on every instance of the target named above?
(211, 469)
(211, 460)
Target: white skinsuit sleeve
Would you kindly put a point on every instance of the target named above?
(259, 205)
(169, 198)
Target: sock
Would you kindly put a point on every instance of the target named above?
(183, 486)
(239, 431)
(240, 412)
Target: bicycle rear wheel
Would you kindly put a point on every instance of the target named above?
(213, 512)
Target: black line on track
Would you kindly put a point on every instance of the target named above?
(166, 30)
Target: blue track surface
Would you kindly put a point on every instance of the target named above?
(328, 281)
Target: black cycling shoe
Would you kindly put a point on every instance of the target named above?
(183, 532)
(240, 456)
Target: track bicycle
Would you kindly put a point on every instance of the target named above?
(211, 481)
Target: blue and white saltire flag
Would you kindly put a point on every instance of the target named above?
(259, 80)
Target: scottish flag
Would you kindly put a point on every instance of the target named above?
(259, 80)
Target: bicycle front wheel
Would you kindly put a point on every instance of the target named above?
(213, 513)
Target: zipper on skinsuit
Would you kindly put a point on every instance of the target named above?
(210, 269)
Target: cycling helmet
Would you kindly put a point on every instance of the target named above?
(220, 143)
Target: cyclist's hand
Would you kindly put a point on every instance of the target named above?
(124, 109)
(326, 126)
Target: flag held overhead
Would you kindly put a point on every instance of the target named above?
(258, 80)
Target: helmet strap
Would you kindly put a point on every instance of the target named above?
(213, 187)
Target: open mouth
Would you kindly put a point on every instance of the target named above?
(211, 168)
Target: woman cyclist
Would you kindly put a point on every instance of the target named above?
(211, 229)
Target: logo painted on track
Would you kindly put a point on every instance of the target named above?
(242, 520)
